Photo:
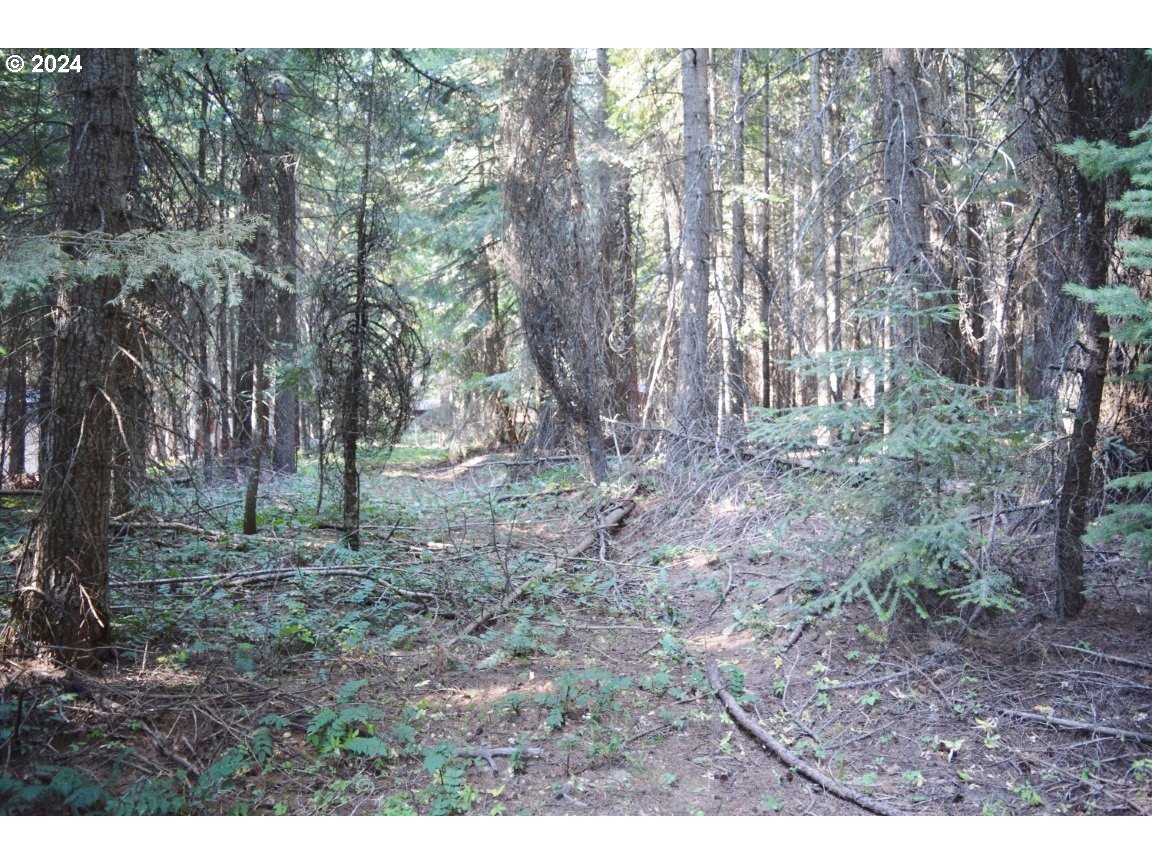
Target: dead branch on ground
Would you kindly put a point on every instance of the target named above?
(611, 521)
(1078, 726)
(745, 722)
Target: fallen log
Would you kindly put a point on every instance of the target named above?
(744, 720)
(611, 521)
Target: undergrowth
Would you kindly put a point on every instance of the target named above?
(907, 486)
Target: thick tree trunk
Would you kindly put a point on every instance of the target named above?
(61, 605)
(693, 400)
(551, 252)
(254, 318)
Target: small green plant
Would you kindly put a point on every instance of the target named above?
(1028, 795)
(992, 808)
(1142, 770)
(527, 638)
(591, 691)
(345, 727)
(67, 792)
(913, 778)
(868, 780)
(666, 554)
(449, 794)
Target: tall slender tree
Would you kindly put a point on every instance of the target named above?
(693, 393)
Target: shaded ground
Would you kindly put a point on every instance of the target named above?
(283, 674)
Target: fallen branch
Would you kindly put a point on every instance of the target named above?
(1140, 664)
(274, 574)
(745, 722)
(1078, 726)
(523, 496)
(488, 753)
(797, 632)
(868, 682)
(611, 520)
(171, 526)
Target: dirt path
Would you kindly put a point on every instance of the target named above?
(293, 677)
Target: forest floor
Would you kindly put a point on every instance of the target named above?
(490, 650)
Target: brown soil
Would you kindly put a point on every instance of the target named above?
(602, 667)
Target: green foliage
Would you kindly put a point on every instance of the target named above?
(1028, 795)
(899, 481)
(449, 794)
(345, 727)
(66, 792)
(192, 259)
(1130, 317)
(591, 692)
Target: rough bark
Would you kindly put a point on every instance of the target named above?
(16, 399)
(765, 273)
(61, 605)
(737, 383)
(1091, 248)
(253, 349)
(549, 251)
(918, 283)
(693, 398)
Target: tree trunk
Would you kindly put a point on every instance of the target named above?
(917, 283)
(61, 607)
(1092, 250)
(817, 238)
(287, 419)
(551, 250)
(252, 343)
(764, 270)
(16, 398)
(132, 418)
(737, 382)
(693, 402)
(351, 407)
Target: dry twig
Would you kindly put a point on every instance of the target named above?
(611, 521)
(1079, 726)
